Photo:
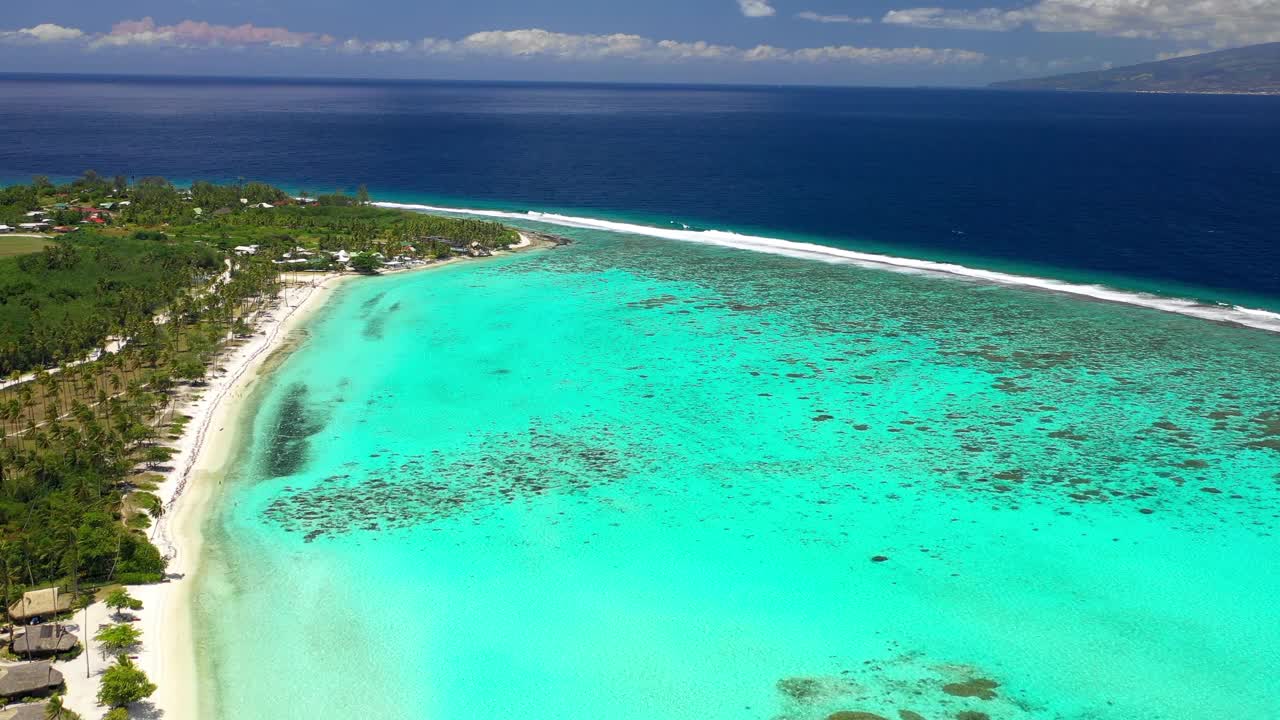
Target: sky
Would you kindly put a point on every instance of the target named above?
(824, 42)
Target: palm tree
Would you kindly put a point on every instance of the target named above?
(53, 710)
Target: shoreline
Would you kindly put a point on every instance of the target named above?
(168, 652)
(208, 445)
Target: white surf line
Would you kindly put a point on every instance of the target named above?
(1234, 314)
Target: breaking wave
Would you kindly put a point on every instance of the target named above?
(1233, 314)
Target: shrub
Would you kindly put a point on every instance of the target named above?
(365, 263)
(120, 599)
(138, 559)
(139, 578)
(116, 639)
(124, 683)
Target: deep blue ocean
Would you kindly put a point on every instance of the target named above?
(653, 476)
(1177, 194)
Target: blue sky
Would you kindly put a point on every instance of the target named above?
(838, 42)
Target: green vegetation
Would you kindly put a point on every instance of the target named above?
(67, 299)
(116, 639)
(102, 328)
(365, 263)
(123, 683)
(16, 201)
(54, 710)
(20, 245)
(120, 600)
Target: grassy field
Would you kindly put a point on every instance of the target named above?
(10, 245)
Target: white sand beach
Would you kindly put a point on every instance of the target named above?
(168, 652)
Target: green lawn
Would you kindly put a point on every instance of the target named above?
(10, 245)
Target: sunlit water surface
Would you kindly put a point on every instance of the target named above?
(640, 479)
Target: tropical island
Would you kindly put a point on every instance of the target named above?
(128, 311)
(1251, 70)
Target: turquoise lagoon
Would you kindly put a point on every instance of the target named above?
(635, 478)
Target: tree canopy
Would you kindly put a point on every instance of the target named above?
(123, 683)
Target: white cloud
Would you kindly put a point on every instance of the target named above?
(43, 33)
(766, 53)
(144, 37)
(756, 8)
(1220, 23)
(700, 50)
(812, 16)
(544, 43)
(936, 17)
(195, 34)
(564, 46)
(48, 32)
(1181, 53)
(515, 44)
(888, 56)
(376, 47)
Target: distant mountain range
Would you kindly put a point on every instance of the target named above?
(1252, 69)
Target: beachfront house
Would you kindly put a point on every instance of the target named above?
(35, 679)
(42, 641)
(33, 226)
(263, 206)
(5, 229)
(39, 604)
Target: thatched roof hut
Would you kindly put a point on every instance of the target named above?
(40, 603)
(28, 679)
(23, 712)
(43, 640)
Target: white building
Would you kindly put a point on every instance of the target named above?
(246, 249)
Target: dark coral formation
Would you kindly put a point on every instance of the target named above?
(294, 425)
(409, 491)
(981, 688)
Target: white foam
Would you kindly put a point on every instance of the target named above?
(1248, 317)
